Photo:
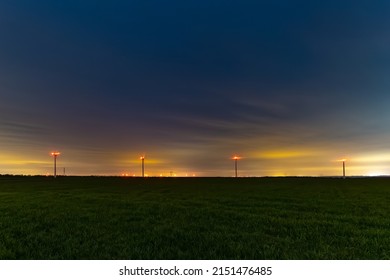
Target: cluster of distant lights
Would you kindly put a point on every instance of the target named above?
(142, 158)
(161, 175)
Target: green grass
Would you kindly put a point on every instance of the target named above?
(194, 218)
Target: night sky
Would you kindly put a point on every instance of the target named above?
(289, 86)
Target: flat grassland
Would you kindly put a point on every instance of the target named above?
(194, 218)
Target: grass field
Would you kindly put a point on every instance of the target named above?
(194, 218)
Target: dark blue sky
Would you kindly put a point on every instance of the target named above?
(290, 86)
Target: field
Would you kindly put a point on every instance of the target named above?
(194, 218)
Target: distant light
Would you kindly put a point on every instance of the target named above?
(55, 155)
(374, 174)
(343, 160)
(161, 175)
(142, 158)
(236, 158)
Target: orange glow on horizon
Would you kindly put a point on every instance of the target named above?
(358, 163)
(298, 152)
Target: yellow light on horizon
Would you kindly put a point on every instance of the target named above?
(286, 153)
